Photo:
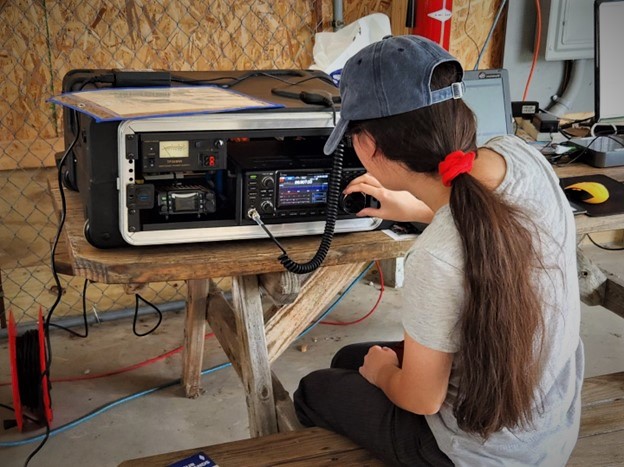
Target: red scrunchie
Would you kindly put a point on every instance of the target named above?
(455, 163)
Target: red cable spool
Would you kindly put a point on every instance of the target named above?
(19, 386)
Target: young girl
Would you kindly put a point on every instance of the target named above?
(490, 368)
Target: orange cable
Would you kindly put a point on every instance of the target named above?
(120, 370)
(536, 47)
(359, 320)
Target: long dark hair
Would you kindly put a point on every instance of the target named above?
(501, 318)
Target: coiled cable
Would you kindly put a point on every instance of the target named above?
(333, 197)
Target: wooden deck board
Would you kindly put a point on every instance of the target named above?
(311, 446)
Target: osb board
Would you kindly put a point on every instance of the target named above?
(472, 20)
(354, 9)
(44, 40)
(25, 66)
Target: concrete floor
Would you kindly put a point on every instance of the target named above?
(166, 421)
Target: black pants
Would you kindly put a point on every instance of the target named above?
(341, 400)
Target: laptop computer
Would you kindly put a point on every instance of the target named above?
(605, 147)
(487, 95)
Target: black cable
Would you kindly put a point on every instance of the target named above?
(333, 196)
(59, 290)
(580, 154)
(466, 29)
(84, 315)
(137, 297)
(57, 237)
(602, 246)
(256, 217)
(233, 81)
(38, 448)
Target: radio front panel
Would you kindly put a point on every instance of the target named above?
(195, 178)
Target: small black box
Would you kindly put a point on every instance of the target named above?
(524, 109)
(545, 123)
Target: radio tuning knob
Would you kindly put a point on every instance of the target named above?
(267, 207)
(218, 143)
(353, 202)
(268, 182)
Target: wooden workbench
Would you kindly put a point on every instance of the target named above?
(251, 336)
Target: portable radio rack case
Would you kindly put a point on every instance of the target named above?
(240, 160)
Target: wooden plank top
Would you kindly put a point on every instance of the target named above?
(311, 446)
(205, 260)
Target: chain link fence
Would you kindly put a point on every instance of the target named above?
(42, 40)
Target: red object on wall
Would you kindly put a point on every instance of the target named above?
(432, 19)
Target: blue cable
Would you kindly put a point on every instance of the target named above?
(136, 395)
(104, 408)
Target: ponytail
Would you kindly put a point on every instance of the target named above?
(501, 315)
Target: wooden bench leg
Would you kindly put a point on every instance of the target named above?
(194, 330)
(286, 417)
(393, 271)
(253, 357)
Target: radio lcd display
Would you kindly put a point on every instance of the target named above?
(296, 189)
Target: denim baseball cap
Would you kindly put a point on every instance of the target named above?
(390, 77)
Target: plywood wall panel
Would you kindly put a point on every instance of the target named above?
(42, 41)
(472, 20)
(24, 63)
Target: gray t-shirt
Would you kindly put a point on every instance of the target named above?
(434, 293)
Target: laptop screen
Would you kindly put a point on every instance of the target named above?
(609, 59)
(487, 95)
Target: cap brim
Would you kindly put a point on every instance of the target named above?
(336, 136)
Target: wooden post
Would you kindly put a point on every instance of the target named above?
(194, 330)
(282, 287)
(253, 356)
(318, 292)
(285, 410)
(393, 271)
(398, 15)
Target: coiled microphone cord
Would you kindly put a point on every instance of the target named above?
(333, 197)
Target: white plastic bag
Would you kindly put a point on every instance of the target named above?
(332, 49)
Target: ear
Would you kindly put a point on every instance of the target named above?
(365, 145)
